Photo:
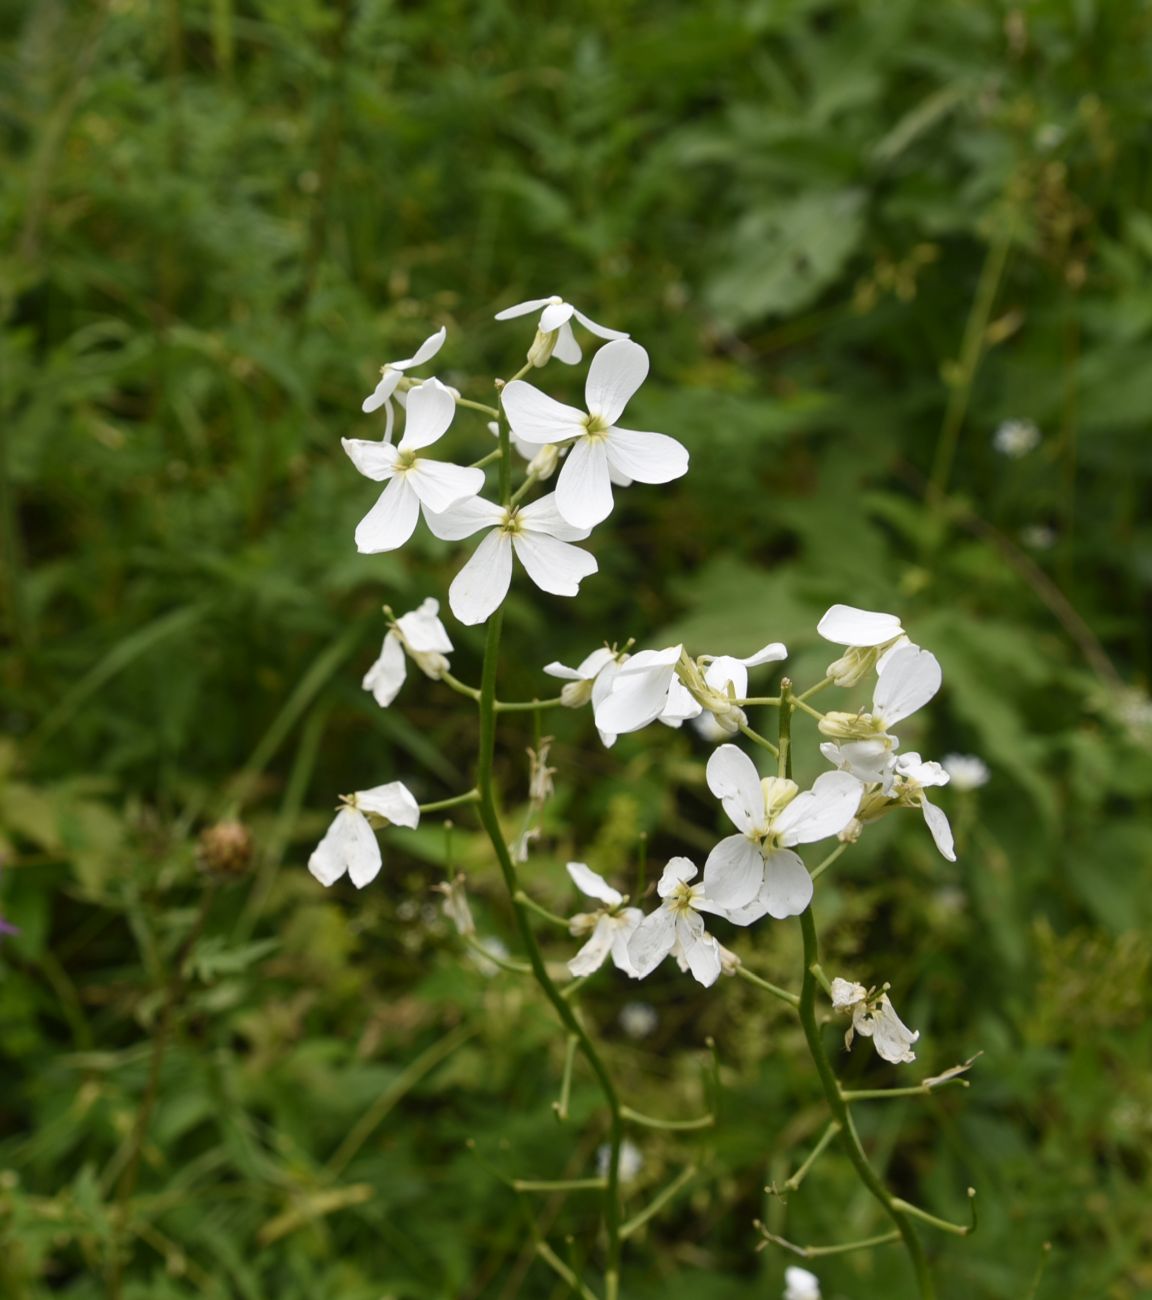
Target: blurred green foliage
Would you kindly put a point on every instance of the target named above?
(855, 239)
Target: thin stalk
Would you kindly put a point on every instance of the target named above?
(818, 871)
(524, 900)
(485, 461)
(674, 1125)
(818, 1252)
(791, 998)
(489, 411)
(812, 690)
(527, 706)
(682, 1179)
(758, 739)
(561, 1106)
(440, 805)
(792, 1183)
(559, 1184)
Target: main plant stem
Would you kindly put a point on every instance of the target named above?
(489, 813)
(849, 1138)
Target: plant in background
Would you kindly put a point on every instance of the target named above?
(752, 874)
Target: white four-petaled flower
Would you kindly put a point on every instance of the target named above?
(868, 636)
(419, 633)
(610, 926)
(874, 1016)
(598, 446)
(677, 928)
(349, 845)
(413, 479)
(538, 535)
(556, 320)
(393, 373)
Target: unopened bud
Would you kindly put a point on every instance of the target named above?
(542, 347)
(544, 463)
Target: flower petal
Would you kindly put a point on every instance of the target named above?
(593, 884)
(787, 885)
(348, 846)
(425, 352)
(383, 390)
(652, 942)
(601, 331)
(431, 409)
(481, 585)
(847, 625)
(584, 490)
(734, 780)
(554, 566)
(594, 953)
(523, 308)
(616, 372)
(375, 460)
(724, 671)
(440, 485)
(422, 629)
(464, 518)
(542, 516)
(703, 958)
(393, 801)
(646, 457)
(940, 827)
(536, 417)
(733, 873)
(771, 653)
(391, 521)
(566, 348)
(822, 811)
(638, 691)
(910, 678)
(555, 315)
(387, 674)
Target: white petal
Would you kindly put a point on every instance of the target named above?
(431, 409)
(677, 871)
(382, 392)
(594, 953)
(349, 845)
(787, 884)
(375, 460)
(387, 674)
(594, 885)
(584, 490)
(425, 352)
(464, 518)
(440, 485)
(822, 811)
(623, 928)
(734, 872)
(941, 829)
(679, 705)
(591, 666)
(554, 566)
(536, 417)
(481, 585)
(393, 801)
(555, 315)
(724, 671)
(522, 308)
(391, 521)
(638, 691)
(542, 516)
(911, 677)
(601, 331)
(422, 629)
(868, 760)
(703, 958)
(734, 780)
(563, 672)
(566, 348)
(847, 625)
(652, 942)
(616, 372)
(646, 457)
(771, 653)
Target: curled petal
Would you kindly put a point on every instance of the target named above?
(393, 801)
(593, 884)
(566, 348)
(425, 352)
(382, 392)
(431, 409)
(555, 315)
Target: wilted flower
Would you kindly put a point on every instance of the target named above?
(540, 775)
(874, 1016)
(610, 926)
(421, 634)
(966, 771)
(393, 373)
(584, 488)
(350, 842)
(1016, 438)
(554, 335)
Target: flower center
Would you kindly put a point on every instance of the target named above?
(680, 901)
(404, 461)
(597, 426)
(512, 524)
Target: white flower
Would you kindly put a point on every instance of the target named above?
(911, 776)
(631, 1160)
(677, 928)
(756, 872)
(350, 843)
(870, 637)
(419, 633)
(874, 1016)
(598, 446)
(893, 782)
(393, 372)
(1016, 438)
(638, 1019)
(610, 926)
(414, 479)
(581, 681)
(966, 771)
(909, 678)
(1038, 537)
(715, 681)
(799, 1284)
(643, 688)
(554, 335)
(538, 535)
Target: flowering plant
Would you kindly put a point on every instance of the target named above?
(757, 870)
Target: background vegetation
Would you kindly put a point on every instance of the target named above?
(855, 239)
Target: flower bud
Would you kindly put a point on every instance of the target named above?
(574, 695)
(544, 463)
(849, 726)
(854, 665)
(542, 347)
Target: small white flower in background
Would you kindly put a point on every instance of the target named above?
(874, 1016)
(909, 678)
(598, 446)
(1016, 438)
(537, 534)
(554, 335)
(393, 372)
(1038, 537)
(455, 905)
(677, 928)
(610, 927)
(1134, 709)
(413, 479)
(638, 1019)
(421, 635)
(350, 845)
(966, 771)
(799, 1284)
(756, 872)
(868, 635)
(631, 1160)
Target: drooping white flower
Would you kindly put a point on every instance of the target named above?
(911, 778)
(1016, 438)
(631, 1161)
(421, 635)
(756, 872)
(610, 926)
(967, 771)
(868, 635)
(874, 1016)
(591, 679)
(349, 845)
(413, 479)
(893, 782)
(393, 373)
(554, 335)
(799, 1284)
(540, 538)
(584, 488)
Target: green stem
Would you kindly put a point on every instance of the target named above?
(818, 1252)
(682, 1179)
(533, 906)
(527, 706)
(454, 683)
(791, 998)
(883, 1094)
(792, 1184)
(489, 411)
(760, 740)
(559, 1184)
(457, 799)
(817, 872)
(485, 461)
(650, 1121)
(812, 690)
